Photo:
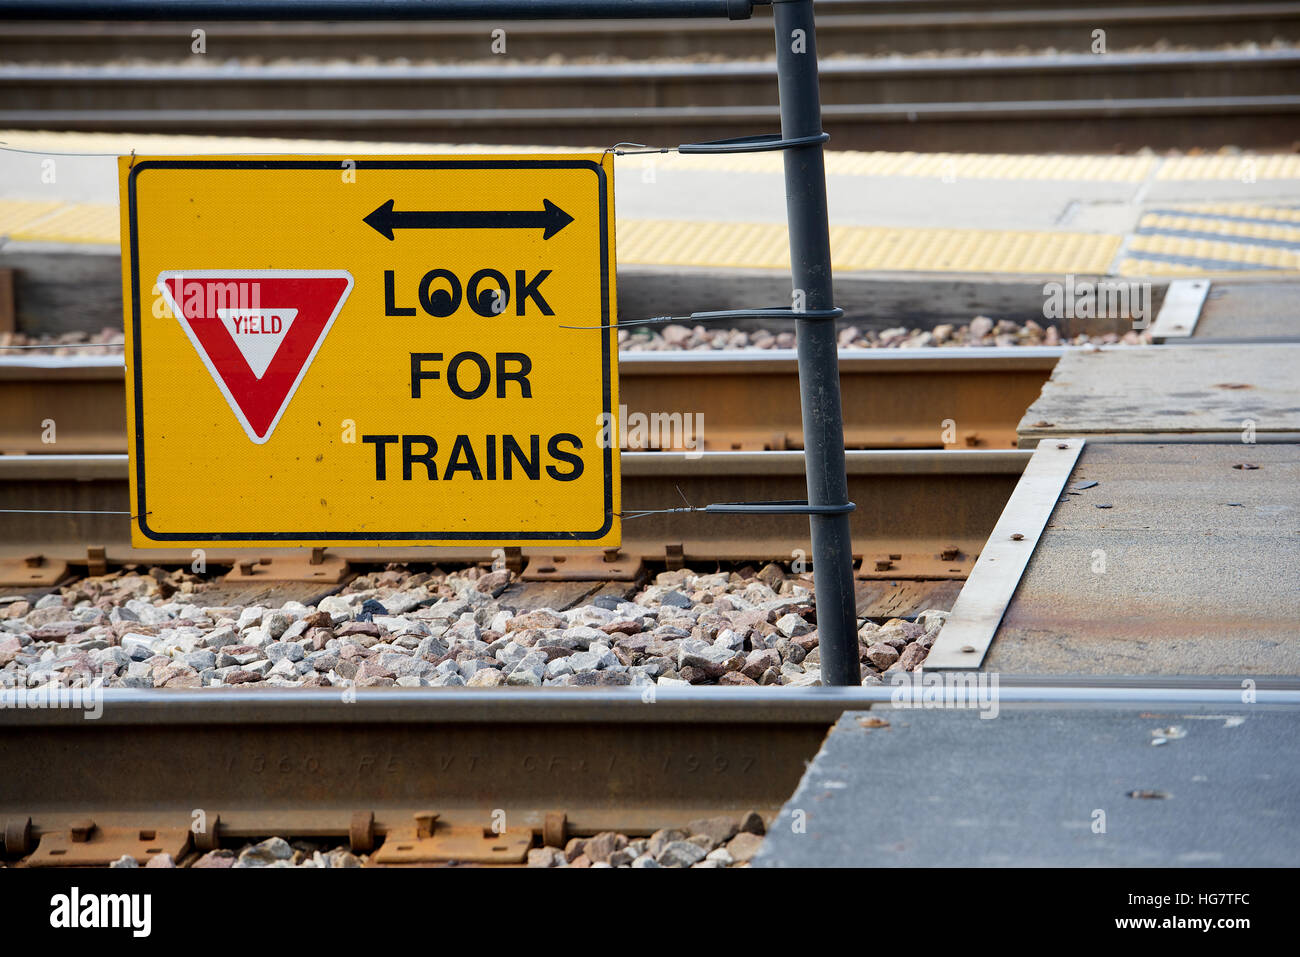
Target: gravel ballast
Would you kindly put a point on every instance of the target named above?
(979, 332)
(712, 842)
(403, 628)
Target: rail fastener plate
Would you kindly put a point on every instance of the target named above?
(85, 844)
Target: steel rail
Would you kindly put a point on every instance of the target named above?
(893, 398)
(126, 707)
(1196, 98)
(915, 504)
(1270, 121)
(303, 763)
(1069, 30)
(665, 84)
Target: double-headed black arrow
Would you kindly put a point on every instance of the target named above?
(550, 219)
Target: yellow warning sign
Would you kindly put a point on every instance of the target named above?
(371, 350)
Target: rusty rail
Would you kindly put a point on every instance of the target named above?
(749, 400)
(305, 764)
(920, 514)
(842, 29)
(385, 764)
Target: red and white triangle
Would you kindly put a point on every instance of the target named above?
(257, 331)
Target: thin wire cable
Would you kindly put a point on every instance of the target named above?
(64, 511)
(763, 312)
(634, 322)
(659, 511)
(616, 149)
(18, 149)
(72, 345)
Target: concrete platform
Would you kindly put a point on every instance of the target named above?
(1194, 392)
(1032, 787)
(1174, 563)
(970, 213)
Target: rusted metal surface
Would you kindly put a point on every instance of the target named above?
(305, 763)
(197, 93)
(18, 836)
(430, 841)
(892, 399)
(32, 571)
(865, 28)
(612, 564)
(361, 832)
(916, 503)
(309, 565)
(84, 843)
(8, 322)
(58, 405)
(949, 562)
(748, 400)
(1128, 100)
(552, 761)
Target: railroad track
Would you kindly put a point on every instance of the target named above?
(921, 516)
(842, 29)
(913, 401)
(1074, 101)
(559, 763)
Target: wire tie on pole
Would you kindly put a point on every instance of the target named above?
(778, 312)
(639, 148)
(748, 508)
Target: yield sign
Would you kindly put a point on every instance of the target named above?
(257, 331)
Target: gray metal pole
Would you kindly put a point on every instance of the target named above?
(819, 373)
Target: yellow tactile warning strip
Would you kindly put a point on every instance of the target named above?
(862, 248)
(941, 166)
(1231, 229)
(1223, 238)
(726, 245)
(1232, 211)
(1245, 168)
(16, 214)
(970, 250)
(1123, 169)
(1214, 239)
(71, 223)
(661, 242)
(1001, 166)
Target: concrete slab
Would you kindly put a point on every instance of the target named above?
(1033, 787)
(1243, 311)
(1212, 390)
(1175, 562)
